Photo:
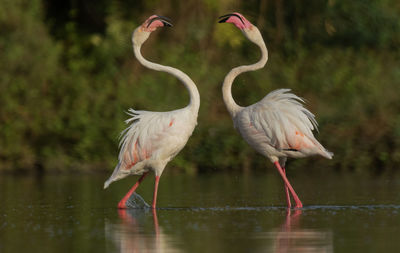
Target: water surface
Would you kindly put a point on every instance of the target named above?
(213, 212)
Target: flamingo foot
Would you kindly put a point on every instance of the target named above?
(122, 203)
(287, 184)
(299, 204)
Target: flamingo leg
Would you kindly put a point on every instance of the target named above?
(122, 203)
(155, 220)
(287, 191)
(155, 192)
(295, 197)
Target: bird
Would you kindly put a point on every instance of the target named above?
(278, 126)
(152, 139)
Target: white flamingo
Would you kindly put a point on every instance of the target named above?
(278, 126)
(154, 138)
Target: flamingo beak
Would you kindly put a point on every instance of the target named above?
(166, 21)
(224, 18)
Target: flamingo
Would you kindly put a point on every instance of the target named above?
(154, 138)
(278, 126)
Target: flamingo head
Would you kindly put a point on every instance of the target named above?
(153, 22)
(142, 33)
(247, 28)
(237, 19)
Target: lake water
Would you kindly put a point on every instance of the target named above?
(212, 212)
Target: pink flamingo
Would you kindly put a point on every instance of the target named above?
(154, 138)
(278, 126)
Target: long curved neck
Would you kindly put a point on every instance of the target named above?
(194, 103)
(230, 103)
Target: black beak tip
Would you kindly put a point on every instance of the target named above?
(165, 18)
(223, 20)
(167, 24)
(166, 21)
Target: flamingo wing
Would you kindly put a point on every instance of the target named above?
(140, 141)
(281, 118)
(142, 138)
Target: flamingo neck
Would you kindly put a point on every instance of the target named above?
(230, 103)
(194, 103)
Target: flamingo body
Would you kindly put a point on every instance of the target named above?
(152, 139)
(278, 126)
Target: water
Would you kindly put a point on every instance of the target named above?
(213, 212)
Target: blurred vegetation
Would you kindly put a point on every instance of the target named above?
(68, 74)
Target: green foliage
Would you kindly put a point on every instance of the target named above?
(66, 80)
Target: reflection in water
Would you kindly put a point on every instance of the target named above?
(290, 237)
(132, 234)
(225, 214)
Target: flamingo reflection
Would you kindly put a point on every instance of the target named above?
(292, 238)
(132, 234)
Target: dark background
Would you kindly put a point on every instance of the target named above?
(68, 74)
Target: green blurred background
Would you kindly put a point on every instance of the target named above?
(68, 75)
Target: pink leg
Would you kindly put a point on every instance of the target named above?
(155, 192)
(157, 230)
(295, 197)
(122, 203)
(287, 192)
